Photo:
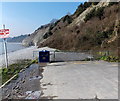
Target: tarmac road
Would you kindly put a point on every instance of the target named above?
(80, 80)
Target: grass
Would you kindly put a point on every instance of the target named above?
(13, 69)
(110, 58)
(107, 56)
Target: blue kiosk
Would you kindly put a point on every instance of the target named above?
(44, 56)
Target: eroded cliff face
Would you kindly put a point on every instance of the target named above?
(92, 26)
(38, 36)
(42, 33)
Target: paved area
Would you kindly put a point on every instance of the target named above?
(66, 80)
(80, 80)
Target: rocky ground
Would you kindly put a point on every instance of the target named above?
(27, 86)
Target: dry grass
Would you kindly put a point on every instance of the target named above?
(84, 36)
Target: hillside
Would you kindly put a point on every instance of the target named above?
(93, 26)
(38, 35)
(17, 39)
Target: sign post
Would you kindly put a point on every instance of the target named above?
(4, 34)
(5, 48)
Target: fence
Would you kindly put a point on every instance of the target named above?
(76, 56)
(66, 56)
(99, 54)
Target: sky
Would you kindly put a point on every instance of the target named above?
(25, 17)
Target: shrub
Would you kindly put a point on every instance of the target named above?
(109, 58)
(82, 7)
(56, 23)
(87, 4)
(99, 12)
(95, 13)
(68, 19)
(79, 11)
(47, 34)
(35, 61)
(104, 34)
(100, 36)
(112, 3)
(51, 27)
(89, 15)
(95, 3)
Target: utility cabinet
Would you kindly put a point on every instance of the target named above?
(44, 56)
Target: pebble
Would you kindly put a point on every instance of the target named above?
(23, 84)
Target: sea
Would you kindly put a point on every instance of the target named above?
(11, 47)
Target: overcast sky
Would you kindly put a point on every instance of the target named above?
(25, 17)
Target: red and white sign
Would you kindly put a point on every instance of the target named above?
(4, 33)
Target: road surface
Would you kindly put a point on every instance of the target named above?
(66, 80)
(80, 80)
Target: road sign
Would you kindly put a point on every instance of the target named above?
(4, 33)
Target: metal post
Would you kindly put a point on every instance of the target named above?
(5, 49)
(54, 56)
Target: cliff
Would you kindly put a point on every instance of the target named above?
(92, 26)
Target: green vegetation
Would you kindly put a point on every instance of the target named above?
(53, 25)
(56, 23)
(89, 15)
(47, 34)
(68, 19)
(99, 12)
(100, 36)
(82, 7)
(95, 3)
(95, 13)
(35, 61)
(107, 56)
(13, 69)
(112, 3)
(95, 39)
(110, 58)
